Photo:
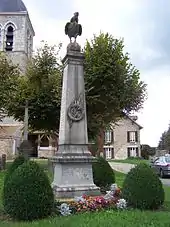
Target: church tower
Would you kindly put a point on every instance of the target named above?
(16, 32)
(16, 40)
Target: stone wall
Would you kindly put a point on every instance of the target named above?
(6, 146)
(46, 153)
(23, 38)
(9, 138)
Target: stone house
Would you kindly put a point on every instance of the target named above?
(122, 140)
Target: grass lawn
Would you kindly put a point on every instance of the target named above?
(131, 161)
(134, 218)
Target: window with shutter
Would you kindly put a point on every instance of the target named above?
(112, 137)
(133, 151)
(108, 152)
(137, 152)
(128, 137)
(136, 136)
(104, 153)
(128, 152)
(113, 155)
(108, 136)
(132, 136)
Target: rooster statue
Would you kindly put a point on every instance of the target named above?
(72, 28)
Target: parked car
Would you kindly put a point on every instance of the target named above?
(161, 165)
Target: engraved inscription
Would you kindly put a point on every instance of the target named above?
(68, 172)
(83, 174)
(79, 173)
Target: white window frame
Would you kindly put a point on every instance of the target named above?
(108, 136)
(133, 150)
(132, 136)
(108, 152)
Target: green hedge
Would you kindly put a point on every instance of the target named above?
(19, 160)
(103, 174)
(28, 194)
(142, 188)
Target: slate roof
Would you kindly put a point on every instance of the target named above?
(12, 6)
(134, 122)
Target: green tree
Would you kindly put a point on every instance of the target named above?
(112, 86)
(164, 143)
(147, 151)
(41, 86)
(8, 82)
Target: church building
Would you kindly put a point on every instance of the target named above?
(16, 32)
(16, 40)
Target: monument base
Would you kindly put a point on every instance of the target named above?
(73, 176)
(75, 191)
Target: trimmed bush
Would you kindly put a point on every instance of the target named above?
(103, 174)
(28, 194)
(142, 188)
(19, 160)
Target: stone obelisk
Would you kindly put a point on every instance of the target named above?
(73, 162)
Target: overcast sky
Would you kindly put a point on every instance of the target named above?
(145, 27)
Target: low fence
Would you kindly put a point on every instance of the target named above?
(3, 162)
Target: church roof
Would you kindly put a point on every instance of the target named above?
(12, 6)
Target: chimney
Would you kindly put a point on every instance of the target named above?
(134, 118)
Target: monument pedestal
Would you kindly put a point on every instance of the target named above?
(73, 163)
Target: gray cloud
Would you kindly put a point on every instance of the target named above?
(59, 9)
(153, 18)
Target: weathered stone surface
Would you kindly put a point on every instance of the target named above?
(73, 161)
(73, 88)
(22, 51)
(73, 47)
(73, 179)
(9, 139)
(23, 37)
(120, 143)
(46, 153)
(5, 147)
(3, 162)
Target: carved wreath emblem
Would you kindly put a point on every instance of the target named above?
(76, 110)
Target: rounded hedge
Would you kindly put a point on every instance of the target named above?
(19, 160)
(28, 194)
(142, 188)
(103, 174)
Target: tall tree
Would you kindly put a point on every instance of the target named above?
(8, 82)
(147, 151)
(41, 87)
(164, 143)
(113, 84)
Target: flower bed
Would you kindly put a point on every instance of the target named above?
(112, 200)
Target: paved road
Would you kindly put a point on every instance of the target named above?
(125, 168)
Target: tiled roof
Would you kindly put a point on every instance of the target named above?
(12, 6)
